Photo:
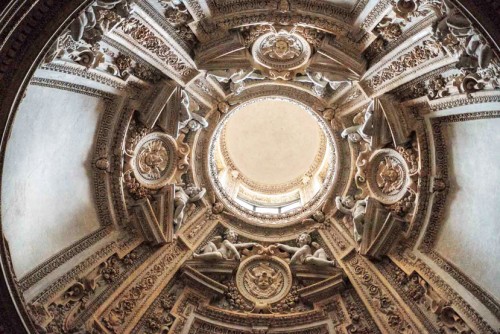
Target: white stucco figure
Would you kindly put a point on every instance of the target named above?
(363, 131)
(322, 79)
(355, 208)
(219, 249)
(303, 254)
(182, 198)
(189, 120)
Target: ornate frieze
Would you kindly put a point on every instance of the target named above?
(391, 316)
(418, 56)
(85, 73)
(128, 303)
(83, 298)
(41, 271)
(446, 299)
(376, 14)
(419, 296)
(209, 28)
(157, 47)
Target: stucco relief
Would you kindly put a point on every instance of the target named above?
(263, 280)
(387, 176)
(154, 159)
(144, 171)
(281, 50)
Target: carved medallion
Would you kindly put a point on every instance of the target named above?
(263, 280)
(387, 176)
(154, 159)
(281, 50)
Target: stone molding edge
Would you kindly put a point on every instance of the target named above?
(48, 266)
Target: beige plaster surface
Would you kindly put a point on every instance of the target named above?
(470, 234)
(272, 141)
(47, 201)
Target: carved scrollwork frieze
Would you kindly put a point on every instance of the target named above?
(117, 316)
(428, 52)
(463, 315)
(134, 30)
(392, 316)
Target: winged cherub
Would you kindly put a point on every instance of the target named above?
(263, 280)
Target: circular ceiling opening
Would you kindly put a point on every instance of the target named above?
(271, 157)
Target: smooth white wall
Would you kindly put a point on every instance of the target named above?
(470, 234)
(47, 201)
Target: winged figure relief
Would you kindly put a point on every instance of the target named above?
(263, 281)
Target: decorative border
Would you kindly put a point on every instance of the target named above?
(422, 204)
(383, 301)
(81, 71)
(128, 304)
(406, 35)
(48, 266)
(375, 14)
(210, 28)
(485, 297)
(462, 100)
(63, 282)
(163, 23)
(437, 282)
(385, 267)
(424, 57)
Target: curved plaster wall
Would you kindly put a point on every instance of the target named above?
(47, 197)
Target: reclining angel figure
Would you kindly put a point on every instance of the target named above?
(227, 248)
(303, 253)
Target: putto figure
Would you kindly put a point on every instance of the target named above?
(304, 254)
(363, 131)
(357, 209)
(182, 198)
(188, 119)
(219, 249)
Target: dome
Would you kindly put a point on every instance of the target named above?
(272, 158)
(244, 167)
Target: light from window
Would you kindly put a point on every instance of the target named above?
(269, 209)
